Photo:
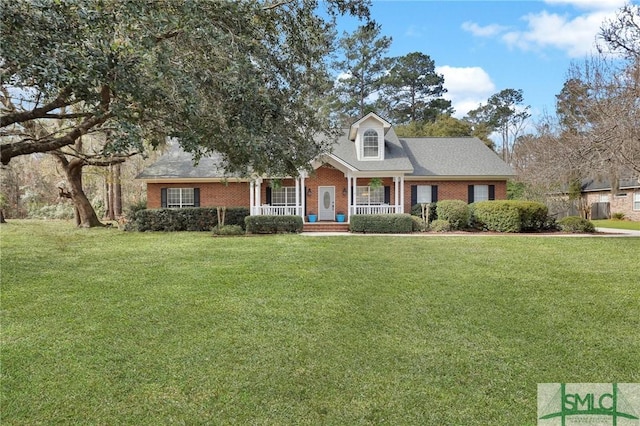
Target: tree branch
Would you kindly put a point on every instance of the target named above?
(14, 149)
(19, 117)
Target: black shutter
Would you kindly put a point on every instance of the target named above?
(387, 195)
(470, 194)
(163, 197)
(434, 193)
(492, 192)
(196, 197)
(306, 206)
(414, 195)
(268, 195)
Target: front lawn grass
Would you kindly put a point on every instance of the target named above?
(617, 224)
(105, 327)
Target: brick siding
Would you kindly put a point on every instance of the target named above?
(236, 194)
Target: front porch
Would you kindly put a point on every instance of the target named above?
(326, 195)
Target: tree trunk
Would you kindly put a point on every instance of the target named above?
(110, 194)
(2, 216)
(85, 214)
(117, 190)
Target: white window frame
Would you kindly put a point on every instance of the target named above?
(480, 193)
(180, 197)
(636, 201)
(370, 142)
(367, 196)
(423, 193)
(603, 198)
(283, 196)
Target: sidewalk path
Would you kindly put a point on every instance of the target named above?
(600, 233)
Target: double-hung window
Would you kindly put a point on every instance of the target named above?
(365, 195)
(636, 200)
(370, 148)
(283, 196)
(180, 197)
(424, 193)
(480, 193)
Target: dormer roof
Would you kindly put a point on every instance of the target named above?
(353, 130)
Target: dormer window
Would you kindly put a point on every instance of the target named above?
(370, 146)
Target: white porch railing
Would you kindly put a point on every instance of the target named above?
(375, 209)
(278, 210)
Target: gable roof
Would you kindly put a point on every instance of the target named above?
(395, 155)
(418, 158)
(454, 157)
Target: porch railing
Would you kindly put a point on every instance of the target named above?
(375, 209)
(278, 210)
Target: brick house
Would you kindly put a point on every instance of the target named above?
(602, 204)
(369, 171)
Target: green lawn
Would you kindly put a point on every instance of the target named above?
(105, 327)
(617, 224)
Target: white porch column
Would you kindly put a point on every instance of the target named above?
(258, 197)
(396, 195)
(297, 193)
(302, 196)
(353, 192)
(401, 193)
(252, 198)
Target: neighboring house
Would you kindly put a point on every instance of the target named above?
(596, 195)
(405, 171)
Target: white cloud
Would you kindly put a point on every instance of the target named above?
(574, 35)
(467, 87)
(486, 31)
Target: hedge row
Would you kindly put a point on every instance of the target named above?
(186, 219)
(382, 223)
(510, 215)
(273, 224)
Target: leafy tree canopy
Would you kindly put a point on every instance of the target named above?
(362, 69)
(239, 78)
(412, 90)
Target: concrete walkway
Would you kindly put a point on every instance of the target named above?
(600, 233)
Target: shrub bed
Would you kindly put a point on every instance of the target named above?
(416, 210)
(273, 224)
(186, 219)
(382, 223)
(440, 225)
(575, 224)
(456, 212)
(510, 215)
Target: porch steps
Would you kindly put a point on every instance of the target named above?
(325, 227)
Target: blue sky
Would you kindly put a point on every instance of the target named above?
(482, 47)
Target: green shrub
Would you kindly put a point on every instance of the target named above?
(381, 223)
(418, 224)
(440, 225)
(617, 216)
(456, 212)
(186, 219)
(575, 224)
(416, 210)
(510, 215)
(273, 224)
(228, 230)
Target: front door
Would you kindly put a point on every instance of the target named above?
(326, 203)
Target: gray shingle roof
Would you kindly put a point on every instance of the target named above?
(416, 157)
(605, 184)
(459, 156)
(395, 156)
(176, 163)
